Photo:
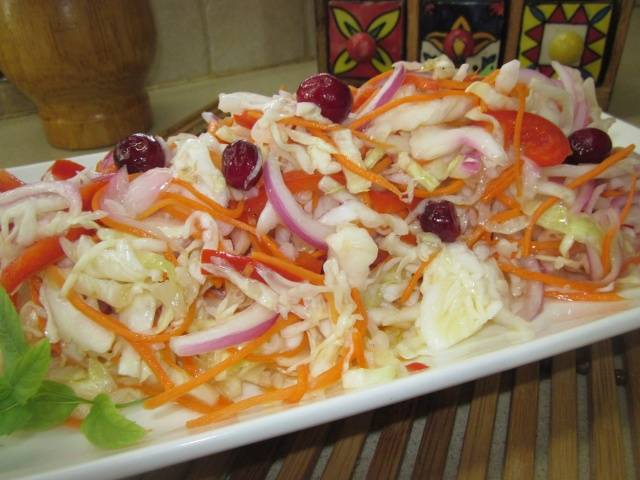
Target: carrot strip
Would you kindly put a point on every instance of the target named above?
(330, 376)
(366, 118)
(333, 311)
(304, 343)
(549, 279)
(617, 192)
(607, 163)
(451, 188)
(302, 386)
(149, 358)
(358, 348)
(289, 267)
(301, 122)
(545, 245)
(382, 165)
(505, 215)
(367, 139)
(583, 296)
(230, 212)
(629, 202)
(367, 174)
(237, 407)
(507, 200)
(216, 159)
(499, 184)
(214, 371)
(475, 236)
(415, 278)
(190, 366)
(528, 232)
(360, 331)
(272, 246)
(194, 205)
(517, 139)
(606, 248)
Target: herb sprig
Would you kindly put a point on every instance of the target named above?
(28, 401)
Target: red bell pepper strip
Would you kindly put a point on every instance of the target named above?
(8, 181)
(88, 191)
(65, 169)
(415, 366)
(36, 257)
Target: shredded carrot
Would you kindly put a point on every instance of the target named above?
(382, 165)
(230, 212)
(583, 296)
(366, 118)
(508, 201)
(302, 386)
(289, 267)
(545, 245)
(367, 139)
(214, 371)
(146, 353)
(616, 192)
(272, 246)
(195, 205)
(190, 365)
(491, 78)
(415, 278)
(451, 188)
(301, 122)
(629, 202)
(239, 406)
(333, 311)
(475, 235)
(499, 184)
(272, 357)
(505, 215)
(549, 279)
(216, 159)
(163, 204)
(321, 135)
(607, 163)
(606, 248)
(367, 174)
(332, 375)
(360, 331)
(167, 356)
(528, 232)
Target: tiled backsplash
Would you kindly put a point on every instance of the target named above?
(200, 38)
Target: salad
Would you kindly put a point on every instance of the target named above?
(330, 238)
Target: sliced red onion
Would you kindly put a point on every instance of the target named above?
(533, 297)
(596, 271)
(144, 190)
(583, 196)
(386, 92)
(572, 82)
(591, 203)
(111, 203)
(67, 190)
(288, 209)
(241, 327)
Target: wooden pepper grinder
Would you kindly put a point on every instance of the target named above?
(83, 63)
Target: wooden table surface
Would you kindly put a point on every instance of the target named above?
(576, 415)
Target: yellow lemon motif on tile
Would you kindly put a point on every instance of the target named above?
(566, 48)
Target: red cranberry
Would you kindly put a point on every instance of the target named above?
(441, 218)
(589, 145)
(241, 165)
(139, 152)
(330, 94)
(361, 47)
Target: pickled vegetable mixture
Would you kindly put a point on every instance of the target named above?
(335, 237)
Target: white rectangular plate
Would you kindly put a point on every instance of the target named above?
(63, 453)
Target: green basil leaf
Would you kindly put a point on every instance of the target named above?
(106, 427)
(12, 341)
(13, 418)
(52, 405)
(28, 373)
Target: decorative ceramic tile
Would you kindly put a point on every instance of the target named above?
(365, 38)
(573, 33)
(467, 31)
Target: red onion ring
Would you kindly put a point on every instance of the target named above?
(67, 190)
(241, 327)
(386, 92)
(583, 196)
(290, 212)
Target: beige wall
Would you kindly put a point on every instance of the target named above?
(201, 38)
